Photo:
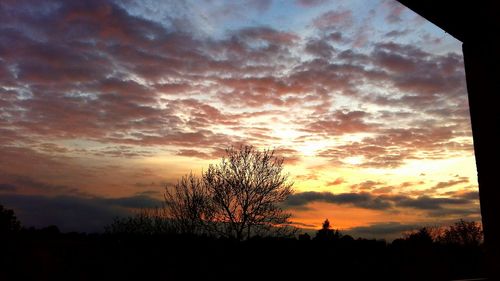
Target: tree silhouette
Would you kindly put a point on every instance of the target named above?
(421, 236)
(467, 233)
(189, 205)
(326, 232)
(8, 221)
(236, 198)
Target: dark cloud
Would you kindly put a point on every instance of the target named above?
(17, 182)
(304, 225)
(135, 202)
(386, 230)
(396, 33)
(267, 34)
(431, 203)
(320, 48)
(154, 193)
(436, 206)
(470, 213)
(418, 72)
(72, 213)
(471, 195)
(362, 200)
(7, 187)
(445, 184)
(335, 36)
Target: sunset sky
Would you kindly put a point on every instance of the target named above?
(104, 103)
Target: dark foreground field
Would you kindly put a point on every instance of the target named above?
(41, 255)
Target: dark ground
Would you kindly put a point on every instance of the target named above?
(46, 255)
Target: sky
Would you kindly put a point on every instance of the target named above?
(104, 103)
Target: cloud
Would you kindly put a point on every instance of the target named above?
(366, 185)
(198, 154)
(7, 187)
(334, 20)
(310, 3)
(72, 213)
(28, 182)
(389, 148)
(433, 206)
(311, 176)
(431, 203)
(396, 33)
(362, 200)
(341, 122)
(445, 184)
(136, 202)
(337, 181)
(320, 48)
(386, 230)
(260, 5)
(395, 10)
(471, 195)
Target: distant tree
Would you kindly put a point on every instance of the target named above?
(327, 233)
(304, 237)
(421, 236)
(145, 222)
(347, 238)
(8, 221)
(51, 230)
(468, 233)
(236, 198)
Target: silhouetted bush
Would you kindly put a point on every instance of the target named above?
(8, 221)
(146, 222)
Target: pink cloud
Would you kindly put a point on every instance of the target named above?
(334, 19)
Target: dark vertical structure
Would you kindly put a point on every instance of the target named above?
(477, 25)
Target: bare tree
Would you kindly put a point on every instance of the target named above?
(237, 198)
(188, 205)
